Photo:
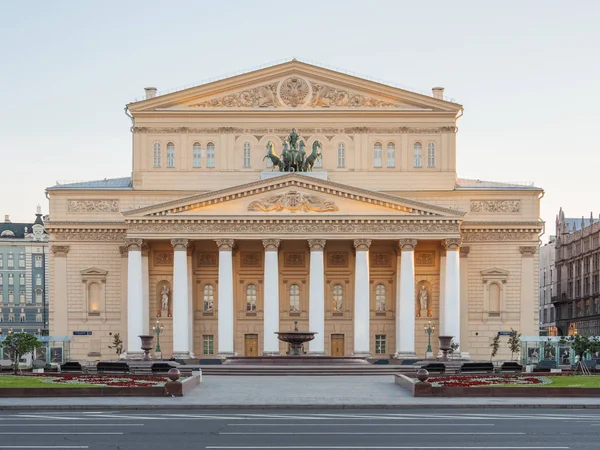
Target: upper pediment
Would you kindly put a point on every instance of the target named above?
(295, 194)
(293, 85)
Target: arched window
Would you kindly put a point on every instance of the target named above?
(341, 156)
(380, 297)
(391, 155)
(156, 154)
(431, 155)
(494, 299)
(197, 155)
(338, 298)
(170, 154)
(38, 296)
(209, 298)
(377, 155)
(93, 297)
(418, 148)
(246, 155)
(210, 155)
(294, 298)
(251, 298)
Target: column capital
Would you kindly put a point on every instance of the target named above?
(316, 245)
(407, 245)
(225, 245)
(452, 243)
(60, 250)
(464, 251)
(133, 244)
(145, 249)
(180, 243)
(528, 251)
(123, 250)
(362, 244)
(271, 245)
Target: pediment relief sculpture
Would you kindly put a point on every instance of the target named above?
(292, 201)
(294, 91)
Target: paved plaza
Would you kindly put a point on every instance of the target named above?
(293, 391)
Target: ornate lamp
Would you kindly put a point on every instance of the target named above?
(429, 330)
(158, 329)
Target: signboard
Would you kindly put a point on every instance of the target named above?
(500, 333)
(82, 333)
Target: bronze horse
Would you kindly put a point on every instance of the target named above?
(273, 157)
(309, 162)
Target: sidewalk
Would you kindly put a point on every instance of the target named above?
(371, 392)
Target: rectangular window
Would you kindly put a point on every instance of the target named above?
(197, 155)
(341, 155)
(377, 156)
(11, 279)
(22, 280)
(208, 344)
(170, 155)
(21, 260)
(210, 155)
(391, 155)
(1, 261)
(38, 261)
(246, 155)
(11, 261)
(380, 344)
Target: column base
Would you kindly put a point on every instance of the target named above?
(271, 353)
(405, 355)
(181, 355)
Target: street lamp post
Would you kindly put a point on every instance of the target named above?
(158, 329)
(429, 329)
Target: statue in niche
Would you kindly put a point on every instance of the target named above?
(423, 298)
(164, 298)
(338, 305)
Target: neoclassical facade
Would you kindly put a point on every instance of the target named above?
(223, 249)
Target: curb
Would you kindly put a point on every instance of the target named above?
(287, 406)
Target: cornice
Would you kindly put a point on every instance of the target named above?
(304, 130)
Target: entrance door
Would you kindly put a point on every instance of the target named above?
(337, 345)
(251, 345)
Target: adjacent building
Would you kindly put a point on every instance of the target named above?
(577, 298)
(548, 285)
(209, 236)
(24, 274)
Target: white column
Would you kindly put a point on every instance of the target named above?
(442, 330)
(316, 296)
(406, 331)
(135, 317)
(451, 325)
(191, 309)
(145, 289)
(271, 297)
(225, 300)
(181, 329)
(362, 311)
(464, 302)
(397, 302)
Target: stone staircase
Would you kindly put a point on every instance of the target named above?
(302, 370)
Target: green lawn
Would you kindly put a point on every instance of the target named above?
(13, 381)
(575, 381)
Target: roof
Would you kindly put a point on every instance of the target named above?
(106, 184)
(575, 223)
(19, 230)
(470, 184)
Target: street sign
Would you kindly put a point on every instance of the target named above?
(504, 333)
(82, 333)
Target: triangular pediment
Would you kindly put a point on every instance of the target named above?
(295, 195)
(294, 85)
(94, 271)
(494, 273)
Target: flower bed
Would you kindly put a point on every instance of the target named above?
(105, 380)
(488, 380)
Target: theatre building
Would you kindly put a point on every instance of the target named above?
(289, 194)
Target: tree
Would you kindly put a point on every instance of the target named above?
(117, 344)
(495, 346)
(19, 344)
(514, 343)
(582, 344)
(453, 346)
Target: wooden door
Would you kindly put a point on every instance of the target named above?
(251, 345)
(337, 345)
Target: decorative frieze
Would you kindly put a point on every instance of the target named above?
(316, 245)
(207, 259)
(163, 258)
(337, 259)
(250, 259)
(425, 259)
(271, 245)
(293, 259)
(407, 244)
(362, 245)
(60, 250)
(381, 260)
(501, 236)
(327, 96)
(92, 206)
(495, 206)
(89, 235)
(292, 201)
(261, 96)
(302, 131)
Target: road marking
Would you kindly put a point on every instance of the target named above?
(44, 446)
(311, 433)
(57, 433)
(71, 425)
(437, 447)
(41, 416)
(360, 424)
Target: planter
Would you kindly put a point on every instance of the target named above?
(445, 346)
(146, 345)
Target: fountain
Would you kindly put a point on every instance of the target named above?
(296, 339)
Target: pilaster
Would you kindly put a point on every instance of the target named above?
(528, 295)
(59, 304)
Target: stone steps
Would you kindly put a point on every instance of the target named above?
(368, 370)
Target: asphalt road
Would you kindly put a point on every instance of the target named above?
(498, 429)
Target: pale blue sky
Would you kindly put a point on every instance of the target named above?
(527, 73)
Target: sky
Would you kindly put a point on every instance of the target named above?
(527, 73)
